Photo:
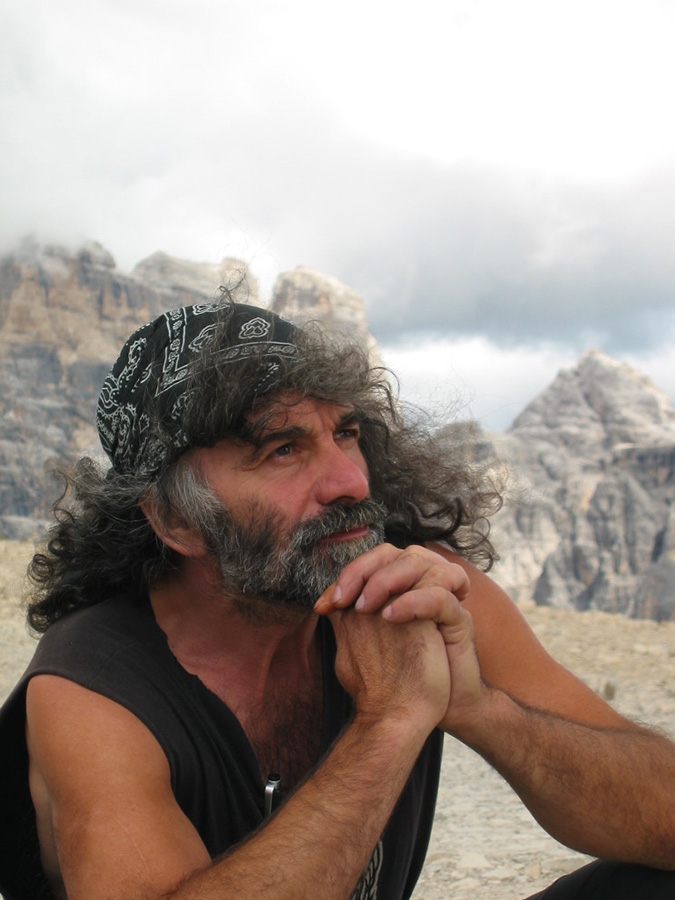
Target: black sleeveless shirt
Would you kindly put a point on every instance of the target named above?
(117, 649)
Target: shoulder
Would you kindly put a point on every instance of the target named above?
(87, 755)
(111, 619)
(70, 716)
(115, 651)
(79, 645)
(512, 658)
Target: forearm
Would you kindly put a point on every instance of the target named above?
(324, 835)
(607, 792)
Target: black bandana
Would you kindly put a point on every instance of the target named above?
(140, 408)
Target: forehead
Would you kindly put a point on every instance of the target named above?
(291, 409)
(277, 422)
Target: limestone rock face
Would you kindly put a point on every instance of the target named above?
(181, 276)
(303, 294)
(589, 521)
(600, 402)
(64, 315)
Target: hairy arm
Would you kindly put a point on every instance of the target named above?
(110, 828)
(607, 791)
(594, 780)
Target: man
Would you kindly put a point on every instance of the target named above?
(258, 623)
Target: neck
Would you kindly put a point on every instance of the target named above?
(268, 672)
(245, 640)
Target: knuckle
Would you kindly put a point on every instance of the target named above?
(415, 552)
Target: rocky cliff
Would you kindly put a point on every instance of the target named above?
(65, 313)
(304, 294)
(589, 521)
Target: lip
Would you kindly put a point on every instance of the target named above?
(351, 535)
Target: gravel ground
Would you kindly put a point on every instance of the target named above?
(485, 844)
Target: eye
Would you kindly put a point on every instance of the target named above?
(348, 433)
(281, 451)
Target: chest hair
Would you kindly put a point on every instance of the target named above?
(285, 733)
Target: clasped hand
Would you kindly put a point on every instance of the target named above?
(421, 591)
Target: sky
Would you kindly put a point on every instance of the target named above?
(496, 179)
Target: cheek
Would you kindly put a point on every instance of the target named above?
(279, 506)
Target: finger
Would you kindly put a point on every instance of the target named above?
(386, 571)
(326, 604)
(346, 590)
(433, 603)
(453, 620)
(408, 572)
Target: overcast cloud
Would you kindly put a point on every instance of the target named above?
(496, 179)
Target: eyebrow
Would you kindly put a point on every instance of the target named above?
(258, 438)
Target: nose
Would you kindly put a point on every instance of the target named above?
(343, 477)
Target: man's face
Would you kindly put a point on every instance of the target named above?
(295, 505)
(260, 558)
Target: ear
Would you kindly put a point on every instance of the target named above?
(174, 530)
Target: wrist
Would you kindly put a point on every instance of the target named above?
(396, 733)
(476, 725)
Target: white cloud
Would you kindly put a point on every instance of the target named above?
(502, 169)
(575, 89)
(474, 378)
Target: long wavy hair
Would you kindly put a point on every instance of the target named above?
(102, 544)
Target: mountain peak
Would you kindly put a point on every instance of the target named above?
(169, 273)
(601, 401)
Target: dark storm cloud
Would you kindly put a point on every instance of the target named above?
(479, 252)
(145, 127)
(466, 250)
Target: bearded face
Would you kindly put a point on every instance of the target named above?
(263, 559)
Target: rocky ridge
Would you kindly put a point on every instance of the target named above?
(65, 313)
(589, 522)
(63, 317)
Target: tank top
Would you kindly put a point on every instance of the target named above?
(117, 649)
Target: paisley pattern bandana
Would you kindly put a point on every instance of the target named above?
(140, 409)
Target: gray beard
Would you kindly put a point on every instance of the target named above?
(256, 564)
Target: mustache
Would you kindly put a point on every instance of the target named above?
(336, 519)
